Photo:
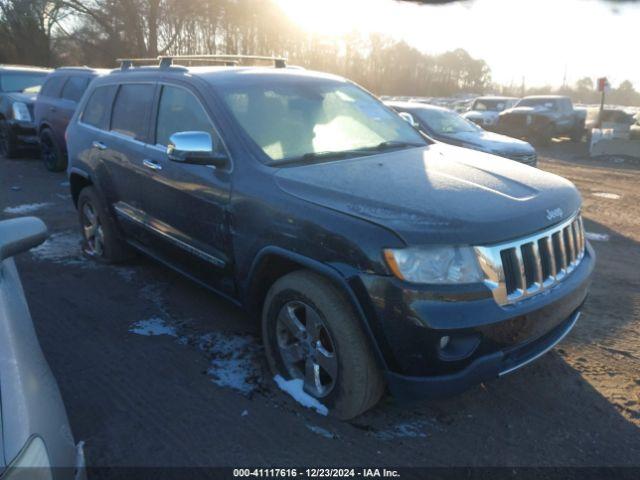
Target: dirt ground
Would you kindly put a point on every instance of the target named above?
(200, 394)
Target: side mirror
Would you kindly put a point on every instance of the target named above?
(195, 148)
(20, 234)
(407, 117)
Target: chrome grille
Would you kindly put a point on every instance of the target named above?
(526, 267)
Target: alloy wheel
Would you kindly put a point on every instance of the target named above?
(92, 231)
(306, 347)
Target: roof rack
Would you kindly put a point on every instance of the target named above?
(165, 61)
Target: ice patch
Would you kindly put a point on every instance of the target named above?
(26, 208)
(597, 237)
(294, 388)
(403, 430)
(234, 360)
(610, 196)
(152, 327)
(321, 431)
(61, 248)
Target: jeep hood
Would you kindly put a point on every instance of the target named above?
(437, 194)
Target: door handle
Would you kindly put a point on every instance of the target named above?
(99, 145)
(53, 109)
(151, 164)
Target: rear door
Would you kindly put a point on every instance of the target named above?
(123, 150)
(186, 205)
(66, 105)
(45, 109)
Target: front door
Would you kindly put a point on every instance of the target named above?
(186, 205)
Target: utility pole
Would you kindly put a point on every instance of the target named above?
(603, 83)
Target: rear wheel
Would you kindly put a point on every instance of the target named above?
(311, 334)
(545, 135)
(53, 157)
(100, 238)
(8, 144)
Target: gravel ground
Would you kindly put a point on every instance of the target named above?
(156, 371)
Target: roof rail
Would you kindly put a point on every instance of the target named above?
(278, 62)
(126, 63)
(165, 61)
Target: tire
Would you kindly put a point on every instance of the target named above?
(53, 157)
(357, 384)
(100, 237)
(8, 143)
(545, 135)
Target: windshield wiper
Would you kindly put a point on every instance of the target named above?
(391, 144)
(318, 156)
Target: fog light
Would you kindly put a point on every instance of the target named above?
(444, 341)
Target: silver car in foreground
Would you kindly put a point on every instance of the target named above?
(35, 438)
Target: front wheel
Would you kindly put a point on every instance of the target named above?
(311, 333)
(100, 238)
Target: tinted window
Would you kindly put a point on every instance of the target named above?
(17, 82)
(74, 88)
(96, 112)
(130, 111)
(52, 86)
(180, 111)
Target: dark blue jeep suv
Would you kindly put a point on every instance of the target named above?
(372, 256)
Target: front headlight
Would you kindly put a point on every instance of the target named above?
(21, 112)
(32, 463)
(435, 264)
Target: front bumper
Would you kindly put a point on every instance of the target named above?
(487, 340)
(25, 133)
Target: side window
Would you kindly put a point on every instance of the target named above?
(131, 109)
(52, 86)
(96, 111)
(74, 88)
(180, 111)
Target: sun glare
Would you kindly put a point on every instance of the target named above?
(336, 17)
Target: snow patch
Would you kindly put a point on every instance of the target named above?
(26, 208)
(294, 388)
(244, 413)
(597, 237)
(233, 360)
(81, 462)
(153, 327)
(61, 248)
(321, 431)
(610, 196)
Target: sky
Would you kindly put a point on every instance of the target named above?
(540, 40)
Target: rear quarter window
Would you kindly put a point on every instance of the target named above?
(96, 111)
(52, 86)
(75, 87)
(131, 109)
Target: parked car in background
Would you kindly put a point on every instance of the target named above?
(611, 119)
(35, 437)
(372, 255)
(485, 110)
(634, 132)
(19, 87)
(541, 118)
(449, 127)
(54, 106)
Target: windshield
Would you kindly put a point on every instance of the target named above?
(548, 103)
(489, 105)
(293, 120)
(17, 82)
(443, 122)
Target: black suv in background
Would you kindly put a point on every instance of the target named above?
(371, 255)
(54, 107)
(19, 86)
